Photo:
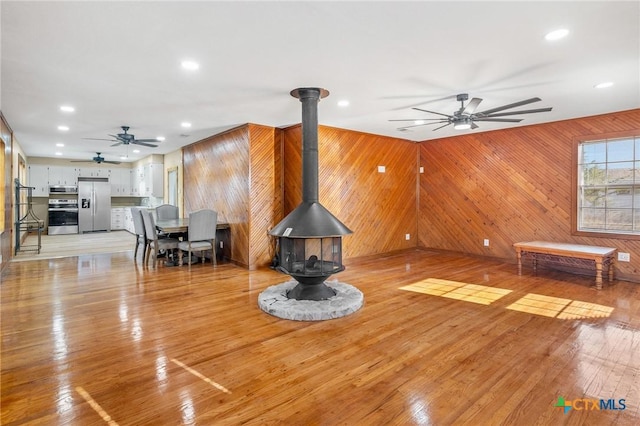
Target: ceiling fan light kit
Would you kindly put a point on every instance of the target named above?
(462, 124)
(465, 118)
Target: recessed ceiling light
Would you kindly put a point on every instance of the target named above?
(557, 34)
(604, 85)
(67, 108)
(185, 124)
(58, 153)
(343, 103)
(60, 144)
(63, 128)
(123, 157)
(135, 151)
(190, 65)
(419, 122)
(160, 138)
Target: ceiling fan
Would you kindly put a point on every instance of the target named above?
(466, 117)
(125, 138)
(97, 159)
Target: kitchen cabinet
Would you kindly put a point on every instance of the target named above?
(61, 175)
(39, 179)
(147, 180)
(93, 172)
(128, 220)
(137, 181)
(153, 174)
(120, 180)
(117, 218)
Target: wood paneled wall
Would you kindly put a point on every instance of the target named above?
(508, 186)
(265, 194)
(380, 208)
(233, 173)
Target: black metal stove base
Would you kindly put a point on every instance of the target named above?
(311, 292)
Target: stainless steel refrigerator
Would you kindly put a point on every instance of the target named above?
(94, 204)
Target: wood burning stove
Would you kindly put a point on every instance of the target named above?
(310, 237)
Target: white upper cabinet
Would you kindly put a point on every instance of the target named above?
(147, 180)
(153, 174)
(120, 180)
(39, 179)
(94, 172)
(62, 175)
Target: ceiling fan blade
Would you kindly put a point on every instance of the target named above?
(137, 142)
(513, 105)
(528, 111)
(98, 139)
(431, 112)
(110, 162)
(501, 120)
(471, 106)
(417, 119)
(474, 125)
(147, 140)
(117, 143)
(448, 123)
(423, 124)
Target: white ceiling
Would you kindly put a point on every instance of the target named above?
(118, 63)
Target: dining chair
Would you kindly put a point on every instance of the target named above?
(167, 211)
(138, 228)
(153, 242)
(201, 235)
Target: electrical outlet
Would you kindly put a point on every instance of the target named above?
(486, 242)
(407, 237)
(381, 169)
(221, 244)
(624, 257)
(421, 169)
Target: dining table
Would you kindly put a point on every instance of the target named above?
(181, 226)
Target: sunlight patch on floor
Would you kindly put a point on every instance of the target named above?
(537, 304)
(556, 307)
(474, 293)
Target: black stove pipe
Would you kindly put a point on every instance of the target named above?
(309, 97)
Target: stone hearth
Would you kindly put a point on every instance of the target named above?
(274, 301)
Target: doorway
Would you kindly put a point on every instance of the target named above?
(172, 186)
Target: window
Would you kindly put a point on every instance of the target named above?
(608, 185)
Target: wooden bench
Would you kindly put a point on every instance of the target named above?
(568, 254)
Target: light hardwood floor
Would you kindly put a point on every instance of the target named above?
(55, 246)
(100, 339)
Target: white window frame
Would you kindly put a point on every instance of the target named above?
(607, 183)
